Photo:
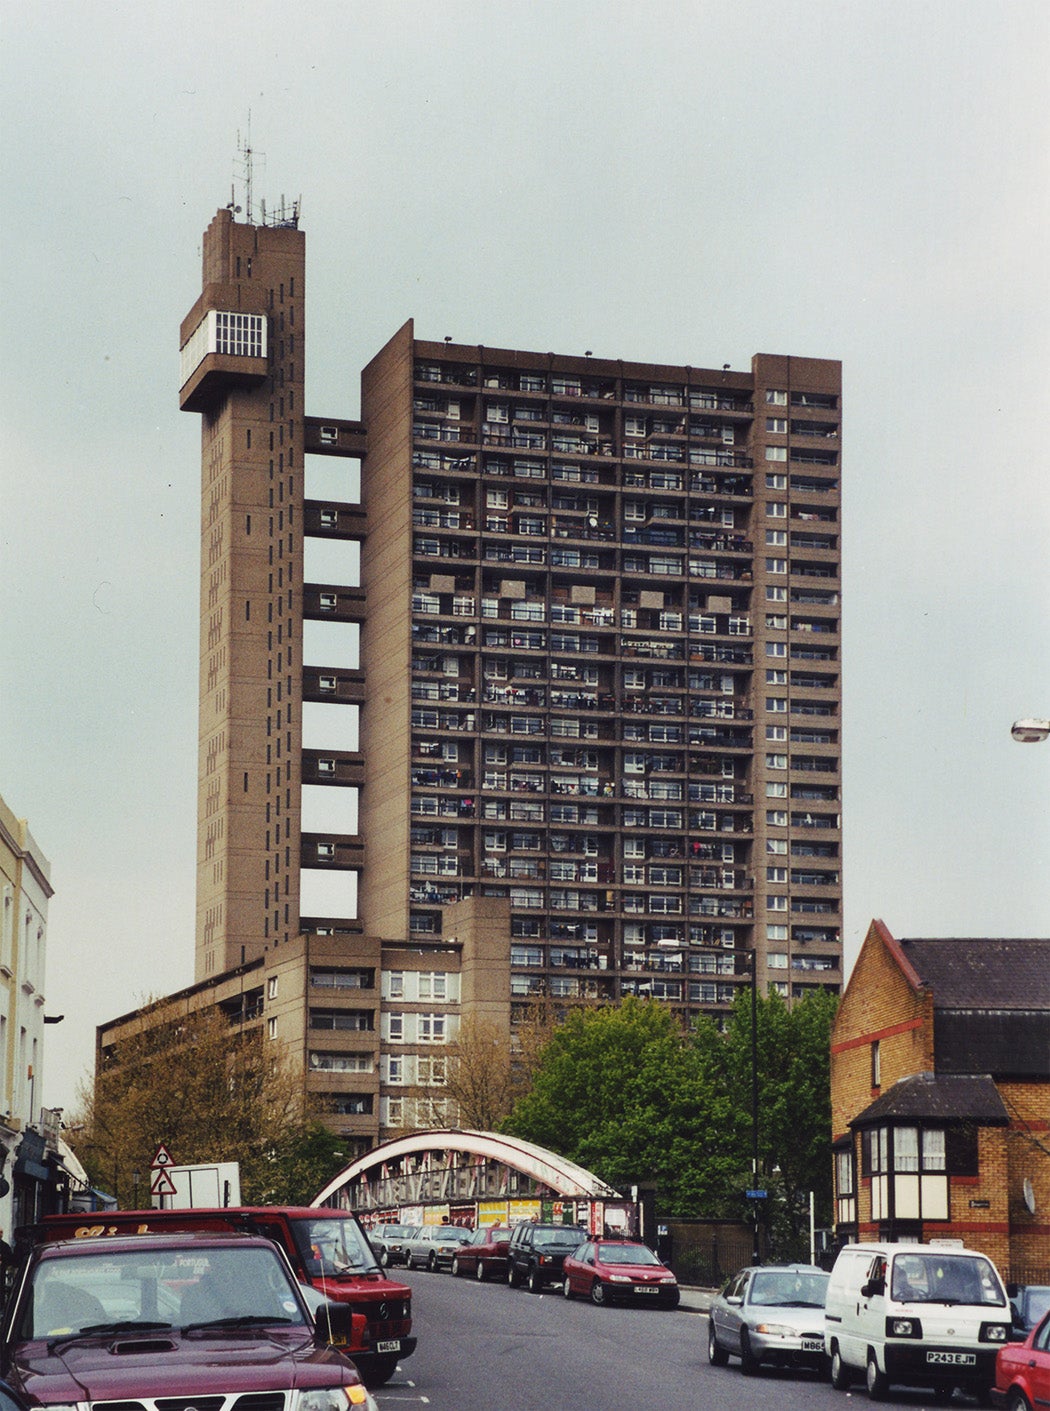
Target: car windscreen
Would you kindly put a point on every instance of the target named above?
(937, 1277)
(333, 1245)
(626, 1254)
(124, 1290)
(563, 1239)
(788, 1288)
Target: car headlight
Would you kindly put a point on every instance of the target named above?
(337, 1399)
(777, 1330)
(620, 1279)
(995, 1332)
(903, 1328)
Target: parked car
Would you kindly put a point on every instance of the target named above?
(1022, 1371)
(188, 1318)
(483, 1254)
(609, 1270)
(535, 1253)
(772, 1314)
(915, 1315)
(388, 1241)
(433, 1246)
(1028, 1303)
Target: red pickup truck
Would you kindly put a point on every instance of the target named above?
(327, 1248)
(202, 1318)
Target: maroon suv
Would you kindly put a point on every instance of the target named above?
(185, 1315)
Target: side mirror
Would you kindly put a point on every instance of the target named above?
(335, 1325)
(734, 1299)
(873, 1288)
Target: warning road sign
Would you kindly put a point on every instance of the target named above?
(161, 1159)
(161, 1183)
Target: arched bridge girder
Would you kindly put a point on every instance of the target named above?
(438, 1165)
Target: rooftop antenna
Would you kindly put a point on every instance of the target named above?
(246, 158)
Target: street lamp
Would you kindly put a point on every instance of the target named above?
(1030, 731)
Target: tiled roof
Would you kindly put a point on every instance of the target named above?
(983, 974)
(923, 1096)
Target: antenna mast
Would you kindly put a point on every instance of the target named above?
(246, 156)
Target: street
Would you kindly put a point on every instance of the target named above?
(486, 1347)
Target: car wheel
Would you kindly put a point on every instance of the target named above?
(456, 1270)
(432, 1261)
(479, 1271)
(534, 1281)
(748, 1360)
(1017, 1401)
(566, 1288)
(840, 1377)
(513, 1277)
(716, 1354)
(598, 1293)
(875, 1380)
(384, 1259)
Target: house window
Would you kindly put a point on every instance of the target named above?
(876, 1065)
(845, 1194)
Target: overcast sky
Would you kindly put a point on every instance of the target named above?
(687, 183)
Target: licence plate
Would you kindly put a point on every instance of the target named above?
(952, 1359)
(812, 1344)
(392, 1346)
(645, 1288)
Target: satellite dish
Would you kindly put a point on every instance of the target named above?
(1029, 1195)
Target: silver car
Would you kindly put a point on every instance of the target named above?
(770, 1313)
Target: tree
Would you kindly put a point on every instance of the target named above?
(208, 1092)
(794, 1110)
(479, 1075)
(615, 1090)
(628, 1094)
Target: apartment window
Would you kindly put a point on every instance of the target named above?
(776, 818)
(776, 732)
(776, 453)
(776, 536)
(775, 789)
(776, 705)
(777, 425)
(271, 987)
(776, 481)
(776, 874)
(776, 566)
(776, 903)
(776, 509)
(777, 960)
(776, 398)
(776, 846)
(271, 1028)
(776, 932)
(876, 1065)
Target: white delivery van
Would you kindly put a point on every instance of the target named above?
(915, 1315)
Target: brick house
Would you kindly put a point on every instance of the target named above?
(940, 1097)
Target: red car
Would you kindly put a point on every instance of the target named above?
(484, 1253)
(604, 1270)
(1022, 1371)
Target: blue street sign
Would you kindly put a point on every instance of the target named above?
(756, 1195)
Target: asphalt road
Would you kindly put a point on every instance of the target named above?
(486, 1347)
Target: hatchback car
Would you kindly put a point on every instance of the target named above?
(483, 1254)
(1028, 1304)
(610, 1270)
(772, 1314)
(1022, 1371)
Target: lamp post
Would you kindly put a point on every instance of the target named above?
(754, 1096)
(1030, 731)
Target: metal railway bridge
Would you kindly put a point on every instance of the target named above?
(476, 1178)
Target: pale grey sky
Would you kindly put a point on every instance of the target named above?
(686, 182)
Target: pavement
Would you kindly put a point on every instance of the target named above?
(696, 1300)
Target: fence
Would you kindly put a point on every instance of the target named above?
(705, 1253)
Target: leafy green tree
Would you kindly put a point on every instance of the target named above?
(300, 1163)
(627, 1093)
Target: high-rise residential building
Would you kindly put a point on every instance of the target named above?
(575, 645)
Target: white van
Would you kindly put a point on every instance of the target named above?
(915, 1315)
